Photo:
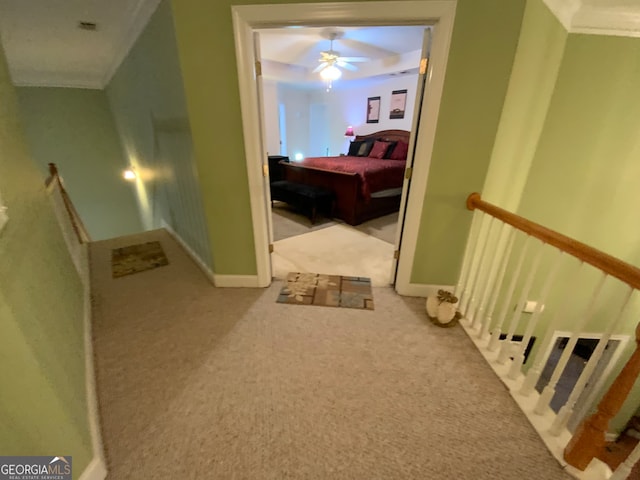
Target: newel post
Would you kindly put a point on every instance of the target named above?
(589, 439)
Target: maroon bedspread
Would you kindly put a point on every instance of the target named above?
(375, 174)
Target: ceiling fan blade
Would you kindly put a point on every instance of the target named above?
(354, 59)
(346, 66)
(322, 66)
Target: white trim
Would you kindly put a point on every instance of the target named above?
(423, 290)
(236, 281)
(616, 20)
(439, 13)
(96, 470)
(140, 14)
(194, 256)
(55, 80)
(563, 10)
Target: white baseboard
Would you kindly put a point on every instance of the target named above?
(96, 470)
(194, 256)
(422, 290)
(236, 281)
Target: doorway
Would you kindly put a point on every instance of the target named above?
(339, 237)
(249, 18)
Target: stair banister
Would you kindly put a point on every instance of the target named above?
(607, 263)
(589, 439)
(76, 222)
(518, 359)
(479, 318)
(566, 411)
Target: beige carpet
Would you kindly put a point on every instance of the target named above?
(335, 250)
(196, 382)
(288, 222)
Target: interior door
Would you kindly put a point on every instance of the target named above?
(262, 141)
(423, 79)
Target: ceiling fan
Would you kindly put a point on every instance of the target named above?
(330, 60)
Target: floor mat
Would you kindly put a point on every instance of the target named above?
(327, 291)
(137, 258)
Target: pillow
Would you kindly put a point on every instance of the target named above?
(400, 151)
(365, 148)
(354, 147)
(379, 149)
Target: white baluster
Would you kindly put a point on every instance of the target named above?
(495, 260)
(550, 390)
(518, 359)
(533, 375)
(486, 324)
(567, 409)
(479, 273)
(517, 314)
(468, 253)
(475, 262)
(624, 469)
(494, 343)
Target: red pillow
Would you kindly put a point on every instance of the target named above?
(379, 149)
(400, 151)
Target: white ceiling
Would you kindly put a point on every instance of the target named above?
(291, 54)
(44, 46)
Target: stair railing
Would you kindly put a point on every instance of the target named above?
(76, 222)
(484, 285)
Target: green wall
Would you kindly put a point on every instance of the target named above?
(583, 180)
(74, 129)
(482, 51)
(535, 70)
(480, 62)
(147, 100)
(43, 408)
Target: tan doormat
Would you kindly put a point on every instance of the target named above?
(137, 258)
(327, 291)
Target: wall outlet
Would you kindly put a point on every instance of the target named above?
(530, 306)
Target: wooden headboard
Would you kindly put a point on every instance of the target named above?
(388, 135)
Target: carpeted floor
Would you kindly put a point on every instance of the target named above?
(204, 383)
(287, 223)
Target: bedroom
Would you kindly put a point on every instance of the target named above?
(353, 230)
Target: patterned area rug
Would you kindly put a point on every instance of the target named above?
(327, 291)
(137, 258)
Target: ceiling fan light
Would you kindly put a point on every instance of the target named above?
(331, 73)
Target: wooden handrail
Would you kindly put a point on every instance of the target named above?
(76, 222)
(611, 265)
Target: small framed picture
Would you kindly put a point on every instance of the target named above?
(398, 104)
(373, 109)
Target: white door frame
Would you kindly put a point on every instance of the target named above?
(246, 18)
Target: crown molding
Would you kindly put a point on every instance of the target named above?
(616, 20)
(38, 78)
(141, 12)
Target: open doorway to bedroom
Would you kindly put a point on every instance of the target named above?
(249, 19)
(337, 144)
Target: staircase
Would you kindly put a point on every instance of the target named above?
(578, 291)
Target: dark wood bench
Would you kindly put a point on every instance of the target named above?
(307, 198)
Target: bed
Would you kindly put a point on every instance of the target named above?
(365, 187)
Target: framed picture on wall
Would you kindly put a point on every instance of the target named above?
(398, 104)
(373, 109)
